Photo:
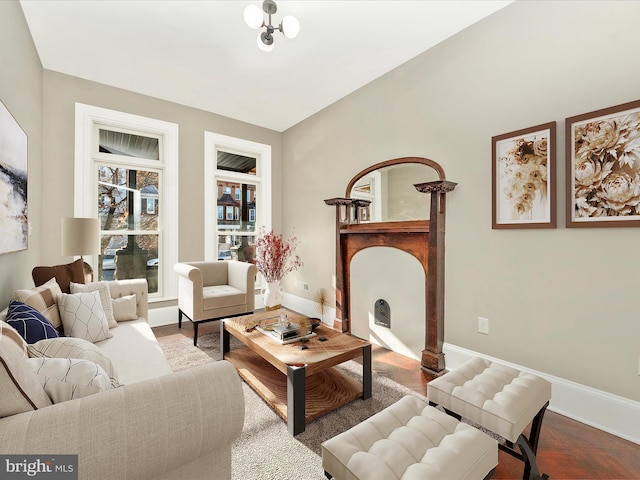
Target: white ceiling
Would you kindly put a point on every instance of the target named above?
(202, 54)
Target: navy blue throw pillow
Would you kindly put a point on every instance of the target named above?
(29, 322)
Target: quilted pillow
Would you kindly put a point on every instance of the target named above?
(105, 297)
(29, 323)
(83, 316)
(64, 274)
(68, 378)
(68, 347)
(43, 299)
(19, 386)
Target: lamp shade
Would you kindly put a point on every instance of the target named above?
(80, 236)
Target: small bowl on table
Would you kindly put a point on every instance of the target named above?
(315, 323)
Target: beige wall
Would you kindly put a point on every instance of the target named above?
(61, 92)
(21, 92)
(560, 301)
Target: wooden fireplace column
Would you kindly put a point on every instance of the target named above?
(424, 239)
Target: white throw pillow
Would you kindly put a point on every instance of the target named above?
(69, 347)
(124, 308)
(83, 317)
(105, 297)
(68, 378)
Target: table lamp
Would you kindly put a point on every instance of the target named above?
(81, 236)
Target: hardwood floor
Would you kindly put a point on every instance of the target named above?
(568, 450)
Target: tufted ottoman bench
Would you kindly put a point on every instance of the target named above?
(410, 440)
(501, 399)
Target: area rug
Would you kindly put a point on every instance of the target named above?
(265, 450)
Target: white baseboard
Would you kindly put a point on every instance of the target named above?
(308, 308)
(163, 316)
(607, 412)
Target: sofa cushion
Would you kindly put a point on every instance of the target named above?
(64, 274)
(68, 347)
(105, 297)
(135, 352)
(83, 317)
(124, 308)
(29, 323)
(68, 378)
(43, 299)
(21, 390)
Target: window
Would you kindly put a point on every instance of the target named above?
(125, 172)
(244, 168)
(220, 212)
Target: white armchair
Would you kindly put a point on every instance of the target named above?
(209, 291)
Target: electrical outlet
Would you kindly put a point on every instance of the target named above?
(483, 325)
(305, 287)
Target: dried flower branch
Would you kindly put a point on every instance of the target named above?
(275, 255)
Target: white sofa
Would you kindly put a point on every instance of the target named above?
(158, 425)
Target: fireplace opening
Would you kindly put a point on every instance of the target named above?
(382, 313)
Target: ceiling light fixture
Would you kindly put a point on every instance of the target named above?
(290, 27)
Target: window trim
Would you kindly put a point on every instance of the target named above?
(86, 189)
(262, 152)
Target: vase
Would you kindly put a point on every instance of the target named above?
(272, 295)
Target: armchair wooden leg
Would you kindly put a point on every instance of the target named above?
(195, 334)
(179, 318)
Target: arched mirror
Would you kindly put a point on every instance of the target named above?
(389, 186)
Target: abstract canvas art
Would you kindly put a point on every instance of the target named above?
(14, 224)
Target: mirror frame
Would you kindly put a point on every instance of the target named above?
(395, 161)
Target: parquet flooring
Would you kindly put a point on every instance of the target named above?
(568, 450)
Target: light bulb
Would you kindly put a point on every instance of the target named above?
(253, 16)
(290, 26)
(263, 46)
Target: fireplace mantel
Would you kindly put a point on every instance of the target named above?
(424, 239)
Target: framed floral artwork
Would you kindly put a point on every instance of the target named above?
(523, 186)
(603, 167)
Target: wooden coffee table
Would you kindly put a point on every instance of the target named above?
(300, 385)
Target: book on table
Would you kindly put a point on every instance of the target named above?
(284, 333)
